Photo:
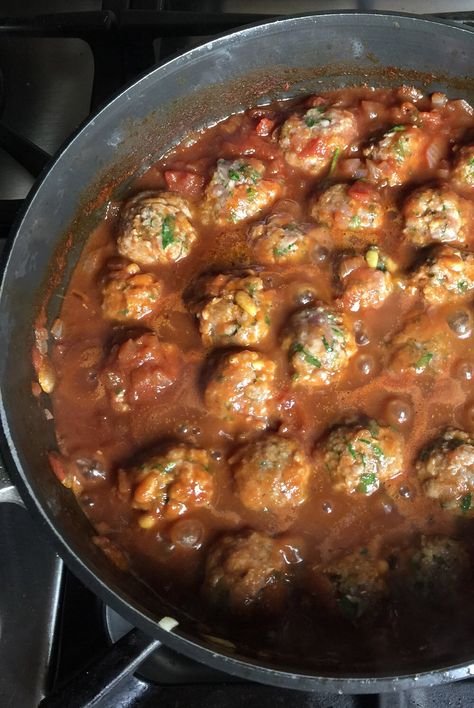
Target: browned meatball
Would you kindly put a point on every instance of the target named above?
(446, 276)
(446, 471)
(319, 343)
(282, 240)
(436, 215)
(272, 475)
(356, 207)
(129, 294)
(241, 390)
(237, 192)
(431, 570)
(364, 286)
(138, 370)
(156, 228)
(424, 346)
(359, 458)
(246, 572)
(399, 157)
(171, 484)
(355, 583)
(311, 141)
(462, 175)
(234, 311)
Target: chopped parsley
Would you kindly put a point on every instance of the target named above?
(315, 117)
(167, 230)
(251, 193)
(278, 252)
(465, 504)
(462, 286)
(355, 222)
(423, 361)
(267, 320)
(397, 128)
(326, 344)
(307, 356)
(352, 452)
(234, 175)
(334, 160)
(367, 482)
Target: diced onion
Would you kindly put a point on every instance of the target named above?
(168, 623)
(434, 154)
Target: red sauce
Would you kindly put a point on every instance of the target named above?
(170, 556)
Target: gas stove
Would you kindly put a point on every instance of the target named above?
(55, 68)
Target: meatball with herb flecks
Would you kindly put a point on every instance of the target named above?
(241, 389)
(359, 458)
(423, 346)
(282, 240)
(446, 276)
(366, 283)
(272, 475)
(237, 192)
(462, 175)
(156, 228)
(319, 344)
(436, 216)
(139, 369)
(354, 208)
(129, 294)
(245, 573)
(446, 471)
(356, 584)
(399, 156)
(170, 484)
(314, 140)
(233, 310)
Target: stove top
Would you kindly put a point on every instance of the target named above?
(55, 68)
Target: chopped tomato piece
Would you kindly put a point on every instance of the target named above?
(361, 191)
(186, 183)
(264, 127)
(316, 147)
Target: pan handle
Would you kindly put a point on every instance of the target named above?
(8, 492)
(90, 686)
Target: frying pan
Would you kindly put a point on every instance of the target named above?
(281, 58)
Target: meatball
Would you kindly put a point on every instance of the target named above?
(446, 471)
(357, 583)
(129, 294)
(313, 140)
(319, 345)
(139, 369)
(169, 485)
(399, 157)
(432, 569)
(345, 207)
(241, 389)
(436, 215)
(246, 572)
(446, 276)
(234, 311)
(359, 458)
(282, 240)
(155, 227)
(238, 192)
(364, 286)
(272, 475)
(424, 346)
(462, 175)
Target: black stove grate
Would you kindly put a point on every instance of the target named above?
(125, 41)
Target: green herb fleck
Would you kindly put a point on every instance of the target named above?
(377, 450)
(355, 222)
(326, 344)
(267, 320)
(397, 128)
(167, 230)
(367, 482)
(423, 361)
(251, 193)
(462, 286)
(465, 504)
(278, 252)
(308, 357)
(353, 453)
(295, 377)
(124, 313)
(234, 175)
(334, 160)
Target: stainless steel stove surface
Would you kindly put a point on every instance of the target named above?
(54, 70)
